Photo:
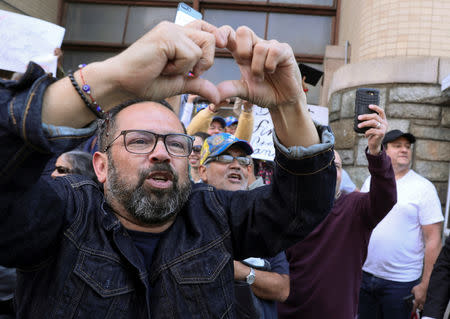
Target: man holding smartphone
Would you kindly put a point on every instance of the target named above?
(405, 244)
(325, 268)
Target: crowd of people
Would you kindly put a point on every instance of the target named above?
(114, 206)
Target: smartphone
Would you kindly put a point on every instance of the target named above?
(186, 14)
(364, 97)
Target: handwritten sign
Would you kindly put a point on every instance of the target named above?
(262, 140)
(24, 39)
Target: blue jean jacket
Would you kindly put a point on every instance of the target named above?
(76, 260)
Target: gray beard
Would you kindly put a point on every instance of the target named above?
(153, 207)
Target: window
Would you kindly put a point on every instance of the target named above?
(97, 29)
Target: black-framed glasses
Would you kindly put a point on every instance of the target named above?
(144, 142)
(227, 159)
(196, 148)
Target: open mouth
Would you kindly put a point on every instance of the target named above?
(161, 179)
(234, 178)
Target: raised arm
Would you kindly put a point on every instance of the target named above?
(154, 67)
(244, 128)
(376, 204)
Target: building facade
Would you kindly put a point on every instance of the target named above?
(403, 49)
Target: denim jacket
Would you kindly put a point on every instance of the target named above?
(76, 260)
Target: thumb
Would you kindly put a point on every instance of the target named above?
(203, 88)
(233, 88)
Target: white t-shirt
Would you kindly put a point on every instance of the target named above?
(396, 246)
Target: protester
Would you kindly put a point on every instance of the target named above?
(207, 121)
(224, 162)
(438, 295)
(74, 162)
(224, 165)
(194, 158)
(151, 244)
(325, 268)
(216, 126)
(231, 126)
(404, 245)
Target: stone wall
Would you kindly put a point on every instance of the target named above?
(422, 110)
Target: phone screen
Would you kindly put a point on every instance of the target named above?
(186, 14)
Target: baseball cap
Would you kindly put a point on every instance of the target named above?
(220, 120)
(230, 120)
(219, 143)
(395, 134)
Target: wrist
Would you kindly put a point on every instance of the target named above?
(250, 278)
(105, 82)
(374, 150)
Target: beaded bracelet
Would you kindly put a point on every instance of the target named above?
(87, 89)
(93, 106)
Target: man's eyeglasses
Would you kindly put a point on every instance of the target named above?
(196, 148)
(144, 142)
(227, 159)
(62, 170)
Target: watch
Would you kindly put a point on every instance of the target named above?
(250, 279)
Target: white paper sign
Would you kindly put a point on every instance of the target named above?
(24, 39)
(445, 83)
(262, 140)
(318, 113)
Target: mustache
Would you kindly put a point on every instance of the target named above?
(158, 167)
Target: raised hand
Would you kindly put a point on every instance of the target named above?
(378, 127)
(270, 76)
(157, 65)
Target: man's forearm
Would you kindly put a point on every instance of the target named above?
(271, 286)
(432, 249)
(267, 285)
(382, 186)
(62, 106)
(293, 124)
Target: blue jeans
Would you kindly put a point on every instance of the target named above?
(383, 299)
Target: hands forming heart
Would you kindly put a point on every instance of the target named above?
(156, 65)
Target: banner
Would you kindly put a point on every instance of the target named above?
(262, 140)
(24, 39)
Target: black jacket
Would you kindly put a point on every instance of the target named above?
(438, 295)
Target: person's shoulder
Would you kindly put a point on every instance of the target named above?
(419, 180)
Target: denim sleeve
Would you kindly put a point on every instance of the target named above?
(33, 210)
(26, 144)
(272, 218)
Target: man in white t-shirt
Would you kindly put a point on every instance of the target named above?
(405, 244)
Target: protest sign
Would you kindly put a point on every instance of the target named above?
(26, 39)
(262, 140)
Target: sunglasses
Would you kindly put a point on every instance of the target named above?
(227, 159)
(196, 148)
